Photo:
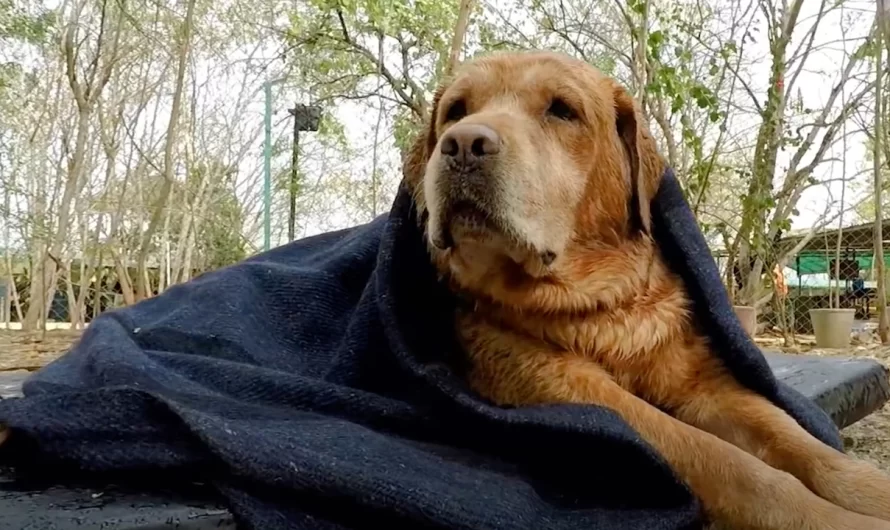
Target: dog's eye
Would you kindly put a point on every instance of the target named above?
(560, 109)
(456, 112)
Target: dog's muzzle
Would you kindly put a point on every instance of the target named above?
(465, 182)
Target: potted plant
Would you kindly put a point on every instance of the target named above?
(833, 325)
(748, 317)
(746, 313)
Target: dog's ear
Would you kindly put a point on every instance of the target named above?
(645, 162)
(415, 161)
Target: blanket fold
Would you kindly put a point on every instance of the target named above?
(317, 386)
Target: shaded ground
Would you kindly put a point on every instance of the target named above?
(868, 439)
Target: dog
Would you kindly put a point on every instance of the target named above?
(532, 181)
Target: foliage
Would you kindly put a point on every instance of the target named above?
(865, 210)
(721, 83)
(18, 24)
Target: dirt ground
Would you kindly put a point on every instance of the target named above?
(868, 438)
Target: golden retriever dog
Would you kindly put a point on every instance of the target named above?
(533, 180)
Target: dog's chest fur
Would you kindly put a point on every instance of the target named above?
(647, 344)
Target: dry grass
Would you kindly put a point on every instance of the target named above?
(29, 351)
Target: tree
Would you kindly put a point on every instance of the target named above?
(767, 208)
(86, 84)
(166, 181)
(878, 143)
(144, 288)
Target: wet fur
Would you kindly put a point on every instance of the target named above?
(607, 322)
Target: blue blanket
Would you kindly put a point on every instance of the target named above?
(318, 386)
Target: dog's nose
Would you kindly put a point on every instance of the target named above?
(470, 142)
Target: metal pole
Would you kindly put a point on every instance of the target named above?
(295, 158)
(267, 169)
(306, 118)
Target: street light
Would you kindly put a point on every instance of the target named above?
(306, 118)
(267, 164)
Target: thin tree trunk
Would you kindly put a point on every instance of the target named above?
(196, 218)
(45, 288)
(143, 289)
(123, 276)
(189, 223)
(73, 310)
(85, 93)
(185, 272)
(164, 264)
(13, 301)
(883, 331)
(752, 239)
(460, 33)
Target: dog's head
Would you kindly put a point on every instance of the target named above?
(528, 161)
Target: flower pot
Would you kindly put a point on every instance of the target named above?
(748, 317)
(832, 327)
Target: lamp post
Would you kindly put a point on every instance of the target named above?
(267, 164)
(306, 118)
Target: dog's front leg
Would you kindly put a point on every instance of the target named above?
(723, 407)
(735, 487)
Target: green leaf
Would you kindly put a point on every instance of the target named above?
(677, 104)
(656, 38)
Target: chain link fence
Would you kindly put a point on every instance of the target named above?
(810, 274)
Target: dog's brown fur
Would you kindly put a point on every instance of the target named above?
(606, 322)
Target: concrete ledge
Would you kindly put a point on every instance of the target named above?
(848, 389)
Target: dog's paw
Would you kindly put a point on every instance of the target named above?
(841, 519)
(854, 485)
(814, 514)
(855, 521)
(780, 501)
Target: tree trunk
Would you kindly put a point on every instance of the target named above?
(73, 310)
(143, 287)
(86, 92)
(460, 33)
(164, 264)
(752, 240)
(880, 35)
(123, 276)
(45, 287)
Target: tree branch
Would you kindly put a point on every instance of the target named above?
(417, 106)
